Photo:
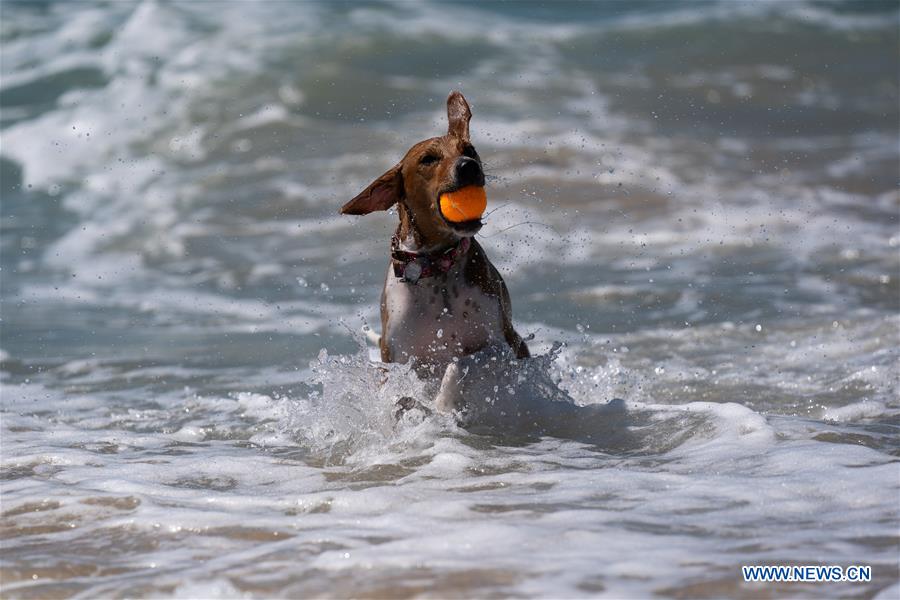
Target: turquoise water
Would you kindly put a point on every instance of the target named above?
(700, 200)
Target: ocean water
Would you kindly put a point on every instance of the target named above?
(695, 206)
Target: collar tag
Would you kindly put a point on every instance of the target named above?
(412, 272)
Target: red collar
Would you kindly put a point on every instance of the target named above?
(413, 266)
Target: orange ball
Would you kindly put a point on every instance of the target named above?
(465, 204)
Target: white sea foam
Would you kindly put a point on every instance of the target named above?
(854, 412)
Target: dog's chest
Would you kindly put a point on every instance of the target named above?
(438, 318)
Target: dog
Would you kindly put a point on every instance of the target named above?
(442, 299)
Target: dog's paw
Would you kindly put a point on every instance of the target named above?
(410, 409)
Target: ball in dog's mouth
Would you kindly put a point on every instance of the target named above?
(462, 209)
(464, 205)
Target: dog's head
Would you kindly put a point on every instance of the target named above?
(431, 168)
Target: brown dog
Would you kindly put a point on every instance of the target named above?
(442, 297)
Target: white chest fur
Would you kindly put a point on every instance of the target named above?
(439, 318)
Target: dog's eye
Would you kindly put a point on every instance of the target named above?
(429, 159)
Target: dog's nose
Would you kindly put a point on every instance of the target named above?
(468, 172)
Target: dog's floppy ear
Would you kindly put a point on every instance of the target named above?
(458, 115)
(381, 194)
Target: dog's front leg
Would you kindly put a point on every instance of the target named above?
(449, 397)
